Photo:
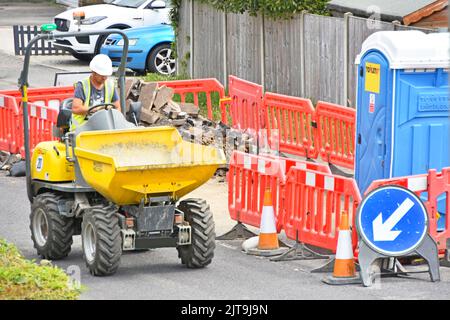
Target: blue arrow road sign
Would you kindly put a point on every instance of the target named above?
(392, 220)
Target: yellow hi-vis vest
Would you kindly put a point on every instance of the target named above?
(79, 119)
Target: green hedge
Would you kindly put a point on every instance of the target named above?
(276, 9)
(22, 279)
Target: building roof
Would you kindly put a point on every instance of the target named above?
(390, 10)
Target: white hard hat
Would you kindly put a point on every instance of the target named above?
(102, 65)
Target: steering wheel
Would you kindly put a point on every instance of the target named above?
(101, 106)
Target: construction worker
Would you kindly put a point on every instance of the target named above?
(94, 90)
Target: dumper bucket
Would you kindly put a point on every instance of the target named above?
(126, 166)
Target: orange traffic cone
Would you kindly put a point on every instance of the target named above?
(268, 244)
(344, 271)
(268, 237)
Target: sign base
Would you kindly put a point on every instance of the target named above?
(266, 253)
(446, 261)
(427, 250)
(299, 252)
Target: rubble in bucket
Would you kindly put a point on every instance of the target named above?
(158, 109)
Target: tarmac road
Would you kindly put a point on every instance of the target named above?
(158, 274)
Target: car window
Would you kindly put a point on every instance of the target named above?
(128, 3)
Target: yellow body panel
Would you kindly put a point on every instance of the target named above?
(128, 165)
(47, 165)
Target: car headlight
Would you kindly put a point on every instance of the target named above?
(93, 20)
(131, 42)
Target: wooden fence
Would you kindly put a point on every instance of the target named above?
(309, 56)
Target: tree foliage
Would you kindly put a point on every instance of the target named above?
(276, 9)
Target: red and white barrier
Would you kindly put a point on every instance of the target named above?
(314, 204)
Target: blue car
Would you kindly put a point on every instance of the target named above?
(150, 49)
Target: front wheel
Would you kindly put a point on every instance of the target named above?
(101, 240)
(50, 231)
(201, 250)
(161, 60)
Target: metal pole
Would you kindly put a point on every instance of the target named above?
(302, 53)
(263, 51)
(191, 37)
(224, 48)
(346, 55)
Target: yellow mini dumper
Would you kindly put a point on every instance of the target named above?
(118, 186)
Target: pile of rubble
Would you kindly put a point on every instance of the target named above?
(158, 108)
(12, 163)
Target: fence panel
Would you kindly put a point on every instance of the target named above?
(336, 134)
(324, 58)
(243, 47)
(282, 56)
(184, 39)
(208, 48)
(293, 118)
(314, 204)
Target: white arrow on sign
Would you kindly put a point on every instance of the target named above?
(383, 231)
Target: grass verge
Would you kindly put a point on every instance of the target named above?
(22, 279)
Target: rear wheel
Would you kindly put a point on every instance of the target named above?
(50, 231)
(161, 60)
(201, 251)
(102, 243)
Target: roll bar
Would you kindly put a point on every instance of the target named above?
(23, 84)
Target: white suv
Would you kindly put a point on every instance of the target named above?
(120, 14)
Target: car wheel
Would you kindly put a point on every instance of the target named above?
(98, 45)
(82, 56)
(161, 60)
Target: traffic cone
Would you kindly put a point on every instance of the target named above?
(268, 237)
(344, 271)
(268, 244)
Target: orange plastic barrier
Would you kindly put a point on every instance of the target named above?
(41, 121)
(336, 134)
(9, 138)
(434, 184)
(43, 112)
(293, 118)
(314, 204)
(50, 97)
(196, 87)
(248, 177)
(246, 104)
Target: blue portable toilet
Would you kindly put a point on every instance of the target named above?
(402, 106)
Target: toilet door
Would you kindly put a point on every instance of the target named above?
(373, 119)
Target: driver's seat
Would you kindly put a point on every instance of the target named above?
(64, 115)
